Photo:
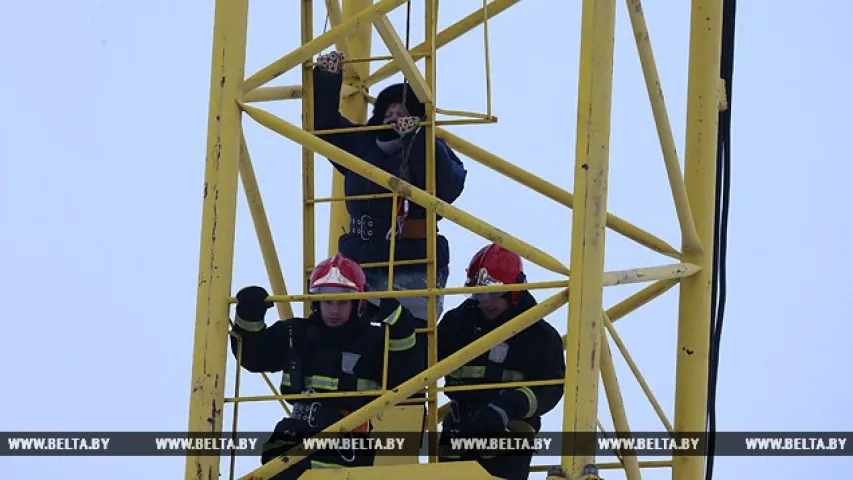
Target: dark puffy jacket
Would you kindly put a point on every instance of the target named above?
(535, 353)
(370, 220)
(314, 356)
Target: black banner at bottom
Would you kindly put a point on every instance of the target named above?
(656, 444)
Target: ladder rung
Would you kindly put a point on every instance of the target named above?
(385, 264)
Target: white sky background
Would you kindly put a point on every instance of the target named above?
(102, 147)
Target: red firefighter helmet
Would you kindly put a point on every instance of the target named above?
(495, 265)
(337, 274)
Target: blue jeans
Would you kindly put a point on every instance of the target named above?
(377, 280)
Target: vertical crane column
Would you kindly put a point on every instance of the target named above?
(588, 229)
(224, 132)
(694, 312)
(306, 16)
(430, 24)
(353, 107)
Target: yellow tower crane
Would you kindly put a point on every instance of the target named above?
(590, 328)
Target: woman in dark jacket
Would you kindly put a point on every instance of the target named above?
(399, 151)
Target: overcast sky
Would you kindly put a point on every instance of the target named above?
(102, 146)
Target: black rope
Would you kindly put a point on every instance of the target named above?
(405, 169)
(721, 224)
(408, 33)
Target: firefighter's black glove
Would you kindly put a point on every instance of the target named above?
(251, 305)
(490, 419)
(513, 402)
(495, 417)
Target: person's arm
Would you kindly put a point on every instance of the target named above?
(450, 173)
(550, 364)
(405, 358)
(328, 80)
(526, 402)
(264, 349)
(450, 339)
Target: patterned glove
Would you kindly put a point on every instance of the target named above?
(331, 62)
(405, 125)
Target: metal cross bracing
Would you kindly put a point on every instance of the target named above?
(590, 328)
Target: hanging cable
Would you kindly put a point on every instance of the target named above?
(721, 227)
(408, 30)
(405, 170)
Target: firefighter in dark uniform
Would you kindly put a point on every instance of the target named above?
(400, 151)
(335, 349)
(535, 353)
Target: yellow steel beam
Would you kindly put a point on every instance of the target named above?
(648, 274)
(354, 107)
(380, 177)
(418, 382)
(430, 471)
(617, 408)
(395, 45)
(690, 240)
(265, 240)
(306, 16)
(446, 36)
(411, 72)
(464, 113)
(616, 452)
(360, 42)
(488, 59)
(552, 191)
(636, 371)
(219, 210)
(501, 385)
(609, 279)
(308, 50)
(628, 359)
(293, 92)
(722, 96)
(417, 292)
(233, 462)
(637, 300)
(336, 17)
(270, 94)
(371, 196)
(262, 229)
(640, 298)
(588, 226)
(371, 393)
(373, 128)
(694, 310)
(610, 465)
(372, 58)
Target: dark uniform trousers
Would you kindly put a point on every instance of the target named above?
(307, 420)
(511, 466)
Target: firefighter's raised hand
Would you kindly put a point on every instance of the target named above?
(405, 125)
(332, 62)
(251, 305)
